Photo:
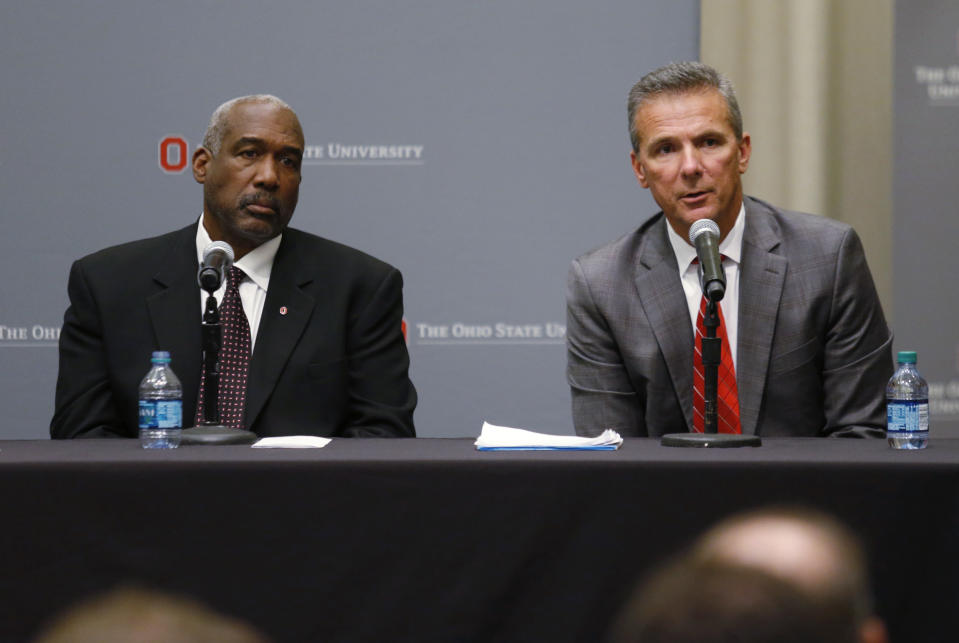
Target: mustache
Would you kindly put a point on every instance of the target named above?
(260, 198)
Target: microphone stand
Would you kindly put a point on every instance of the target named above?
(712, 352)
(209, 430)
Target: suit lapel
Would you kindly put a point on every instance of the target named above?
(278, 333)
(174, 311)
(664, 302)
(760, 289)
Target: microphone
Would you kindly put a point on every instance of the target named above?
(217, 261)
(704, 234)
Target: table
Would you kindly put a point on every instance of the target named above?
(430, 540)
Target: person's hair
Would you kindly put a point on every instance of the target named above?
(681, 78)
(219, 121)
(842, 589)
(694, 601)
(133, 614)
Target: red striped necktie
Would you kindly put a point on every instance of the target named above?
(727, 396)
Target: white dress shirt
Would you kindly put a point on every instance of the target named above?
(257, 264)
(732, 250)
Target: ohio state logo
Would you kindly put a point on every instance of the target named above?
(173, 154)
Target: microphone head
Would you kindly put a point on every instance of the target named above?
(703, 226)
(217, 261)
(222, 246)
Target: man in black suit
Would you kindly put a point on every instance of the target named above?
(328, 353)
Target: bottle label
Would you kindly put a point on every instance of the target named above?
(907, 417)
(148, 414)
(169, 414)
(161, 414)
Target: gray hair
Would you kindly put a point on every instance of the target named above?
(217, 128)
(680, 78)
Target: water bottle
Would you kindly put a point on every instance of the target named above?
(907, 405)
(161, 405)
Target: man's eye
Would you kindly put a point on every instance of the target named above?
(248, 154)
(665, 149)
(711, 142)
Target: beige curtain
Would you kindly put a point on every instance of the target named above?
(814, 80)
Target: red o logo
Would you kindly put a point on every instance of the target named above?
(173, 154)
(403, 328)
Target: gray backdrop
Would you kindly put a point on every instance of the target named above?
(508, 127)
(926, 216)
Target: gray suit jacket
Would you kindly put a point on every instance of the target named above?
(814, 350)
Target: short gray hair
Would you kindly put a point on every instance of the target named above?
(680, 78)
(217, 128)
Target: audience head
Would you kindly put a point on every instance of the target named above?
(778, 574)
(694, 601)
(814, 551)
(139, 616)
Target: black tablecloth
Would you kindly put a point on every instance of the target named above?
(430, 540)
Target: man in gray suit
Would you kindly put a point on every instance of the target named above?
(809, 343)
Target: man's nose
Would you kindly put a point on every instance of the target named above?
(692, 162)
(266, 174)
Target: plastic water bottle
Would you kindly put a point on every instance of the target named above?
(161, 405)
(907, 405)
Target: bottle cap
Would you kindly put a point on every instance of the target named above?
(160, 357)
(906, 357)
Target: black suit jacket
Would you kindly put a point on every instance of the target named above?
(334, 364)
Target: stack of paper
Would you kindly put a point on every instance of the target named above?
(292, 442)
(501, 438)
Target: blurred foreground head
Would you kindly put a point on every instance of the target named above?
(693, 601)
(140, 616)
(785, 575)
(810, 549)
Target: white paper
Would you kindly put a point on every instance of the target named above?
(292, 442)
(493, 436)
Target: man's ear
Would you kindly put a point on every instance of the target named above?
(201, 160)
(745, 151)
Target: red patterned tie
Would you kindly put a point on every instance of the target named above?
(234, 356)
(727, 396)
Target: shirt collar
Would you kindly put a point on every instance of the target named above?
(731, 247)
(257, 264)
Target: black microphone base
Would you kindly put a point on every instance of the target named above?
(709, 440)
(216, 434)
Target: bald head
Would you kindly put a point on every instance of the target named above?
(811, 549)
